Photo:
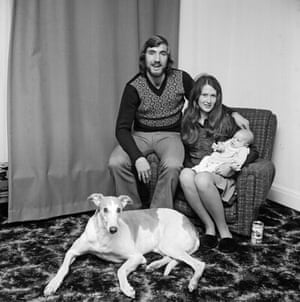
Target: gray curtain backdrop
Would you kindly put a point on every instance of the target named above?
(69, 62)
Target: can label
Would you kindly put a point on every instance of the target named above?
(257, 232)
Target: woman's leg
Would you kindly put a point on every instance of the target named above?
(211, 199)
(191, 194)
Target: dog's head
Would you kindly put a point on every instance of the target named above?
(109, 209)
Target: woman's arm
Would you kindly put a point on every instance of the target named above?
(242, 122)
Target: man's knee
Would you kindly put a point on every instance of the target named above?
(117, 161)
(173, 169)
(171, 164)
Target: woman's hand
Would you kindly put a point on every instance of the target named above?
(242, 122)
(219, 147)
(236, 167)
(143, 169)
(225, 170)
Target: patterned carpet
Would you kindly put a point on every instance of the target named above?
(32, 252)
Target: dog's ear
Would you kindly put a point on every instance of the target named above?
(125, 199)
(96, 198)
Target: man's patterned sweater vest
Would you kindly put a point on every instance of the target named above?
(160, 110)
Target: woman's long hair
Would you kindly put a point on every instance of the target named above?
(154, 41)
(190, 120)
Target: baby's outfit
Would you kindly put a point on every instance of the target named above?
(234, 156)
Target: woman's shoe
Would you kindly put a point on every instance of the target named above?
(208, 241)
(228, 245)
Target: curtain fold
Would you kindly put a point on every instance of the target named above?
(69, 62)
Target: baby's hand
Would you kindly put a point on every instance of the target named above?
(215, 147)
(218, 147)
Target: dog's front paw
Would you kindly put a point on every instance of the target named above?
(192, 285)
(48, 291)
(129, 291)
(51, 288)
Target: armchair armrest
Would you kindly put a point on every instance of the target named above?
(259, 167)
(256, 179)
(252, 185)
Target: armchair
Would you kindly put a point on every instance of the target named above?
(253, 181)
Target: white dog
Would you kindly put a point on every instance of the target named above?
(114, 235)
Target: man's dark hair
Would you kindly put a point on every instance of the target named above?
(154, 41)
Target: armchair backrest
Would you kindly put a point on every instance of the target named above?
(263, 123)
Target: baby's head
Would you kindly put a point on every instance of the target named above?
(242, 138)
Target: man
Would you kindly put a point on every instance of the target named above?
(149, 120)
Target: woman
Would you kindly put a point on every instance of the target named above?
(207, 121)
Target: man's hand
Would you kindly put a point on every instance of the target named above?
(143, 169)
(240, 120)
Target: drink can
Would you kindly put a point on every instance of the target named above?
(257, 232)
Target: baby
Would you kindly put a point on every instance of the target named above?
(233, 151)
